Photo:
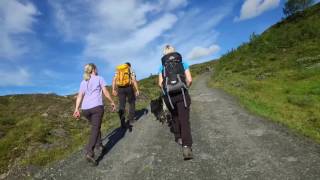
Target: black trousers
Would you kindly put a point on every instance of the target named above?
(94, 115)
(180, 115)
(126, 94)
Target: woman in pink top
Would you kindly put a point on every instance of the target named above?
(90, 94)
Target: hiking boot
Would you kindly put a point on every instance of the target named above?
(99, 147)
(179, 141)
(187, 152)
(132, 121)
(91, 160)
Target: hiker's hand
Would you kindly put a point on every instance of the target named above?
(113, 107)
(76, 114)
(137, 93)
(114, 93)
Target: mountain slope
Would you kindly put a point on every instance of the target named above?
(277, 73)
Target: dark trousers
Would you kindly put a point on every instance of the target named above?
(180, 115)
(94, 115)
(125, 94)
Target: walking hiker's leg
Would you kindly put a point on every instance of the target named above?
(99, 140)
(96, 119)
(174, 115)
(122, 106)
(183, 118)
(132, 104)
(87, 114)
(176, 125)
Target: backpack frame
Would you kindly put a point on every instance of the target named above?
(174, 80)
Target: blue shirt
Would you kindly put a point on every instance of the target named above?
(185, 67)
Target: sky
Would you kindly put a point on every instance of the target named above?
(44, 44)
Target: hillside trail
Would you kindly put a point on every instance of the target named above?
(229, 143)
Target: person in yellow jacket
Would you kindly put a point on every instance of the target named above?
(125, 86)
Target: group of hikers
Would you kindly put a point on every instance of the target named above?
(174, 80)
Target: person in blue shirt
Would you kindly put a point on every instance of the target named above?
(185, 66)
(178, 104)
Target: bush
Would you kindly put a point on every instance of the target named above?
(300, 100)
(7, 121)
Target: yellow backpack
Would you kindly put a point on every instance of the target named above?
(123, 75)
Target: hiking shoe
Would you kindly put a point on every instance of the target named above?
(130, 122)
(99, 147)
(179, 141)
(91, 160)
(187, 152)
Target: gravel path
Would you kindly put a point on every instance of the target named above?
(229, 143)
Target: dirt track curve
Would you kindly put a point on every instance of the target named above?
(229, 143)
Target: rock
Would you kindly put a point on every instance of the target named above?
(45, 115)
(237, 84)
(2, 135)
(3, 176)
(59, 132)
(260, 77)
(46, 146)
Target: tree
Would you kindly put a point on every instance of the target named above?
(293, 6)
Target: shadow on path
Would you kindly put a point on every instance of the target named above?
(140, 113)
(114, 137)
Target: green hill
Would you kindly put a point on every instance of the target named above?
(277, 74)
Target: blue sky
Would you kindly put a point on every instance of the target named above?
(44, 44)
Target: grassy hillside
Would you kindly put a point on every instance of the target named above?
(37, 129)
(277, 73)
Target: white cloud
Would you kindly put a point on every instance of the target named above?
(134, 42)
(116, 31)
(19, 77)
(16, 19)
(173, 4)
(254, 8)
(200, 52)
(122, 14)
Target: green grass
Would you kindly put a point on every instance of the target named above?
(277, 74)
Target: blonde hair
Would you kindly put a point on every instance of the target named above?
(168, 49)
(88, 69)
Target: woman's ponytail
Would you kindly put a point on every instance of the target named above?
(88, 69)
(168, 49)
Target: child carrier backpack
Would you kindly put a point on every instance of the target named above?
(123, 75)
(174, 80)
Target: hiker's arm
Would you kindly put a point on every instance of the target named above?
(135, 85)
(107, 95)
(76, 113)
(114, 92)
(160, 80)
(188, 77)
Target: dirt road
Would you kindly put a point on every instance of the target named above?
(229, 143)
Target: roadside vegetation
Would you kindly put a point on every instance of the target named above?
(277, 74)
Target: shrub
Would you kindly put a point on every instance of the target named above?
(300, 100)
